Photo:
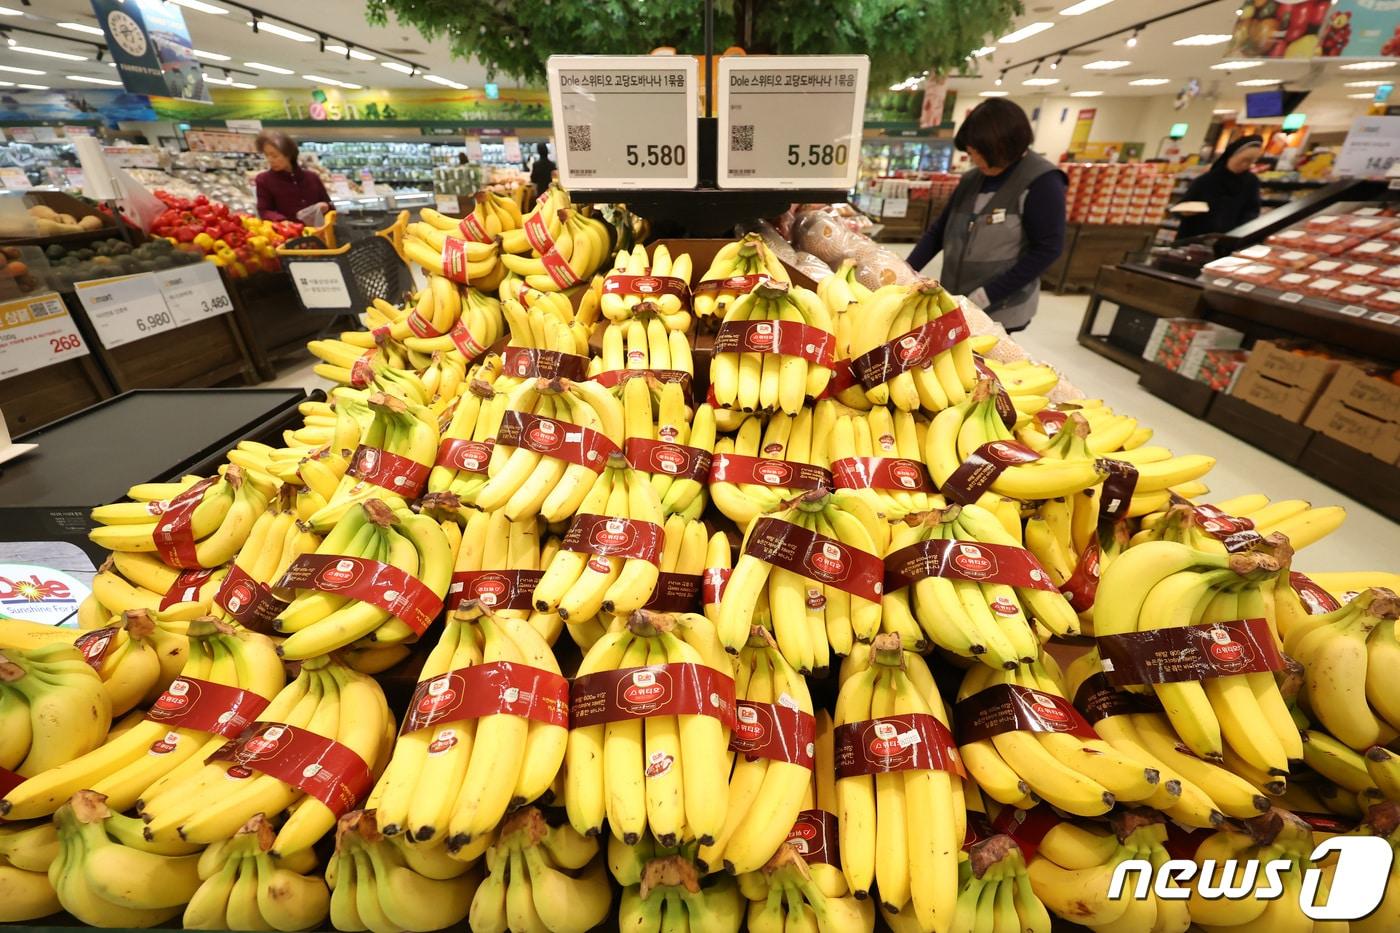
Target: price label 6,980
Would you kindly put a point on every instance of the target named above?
(624, 121)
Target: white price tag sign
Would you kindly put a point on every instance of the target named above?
(37, 332)
(126, 308)
(340, 187)
(896, 207)
(14, 179)
(445, 203)
(320, 284)
(1291, 298)
(1244, 287)
(624, 121)
(1352, 310)
(512, 144)
(473, 146)
(791, 121)
(1371, 148)
(194, 292)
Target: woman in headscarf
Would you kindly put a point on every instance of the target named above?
(1229, 188)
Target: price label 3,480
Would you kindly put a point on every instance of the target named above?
(624, 121)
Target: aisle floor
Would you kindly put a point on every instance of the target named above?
(1365, 542)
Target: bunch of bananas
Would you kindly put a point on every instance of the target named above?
(1043, 755)
(53, 707)
(541, 877)
(945, 562)
(621, 301)
(812, 569)
(1349, 655)
(903, 816)
(669, 442)
(543, 321)
(1074, 862)
(498, 564)
(784, 895)
(735, 270)
(663, 772)
(410, 551)
(1203, 529)
(464, 451)
(667, 892)
(763, 466)
(565, 245)
(379, 886)
(538, 468)
(879, 456)
(276, 541)
(492, 215)
(994, 893)
(610, 558)
(927, 361)
(1160, 586)
(243, 887)
(124, 767)
(131, 580)
(772, 768)
(202, 526)
(773, 350)
(452, 777)
(641, 342)
(1028, 378)
(445, 253)
(26, 852)
(328, 706)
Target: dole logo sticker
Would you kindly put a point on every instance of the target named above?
(761, 336)
(438, 695)
(491, 591)
(442, 743)
(658, 764)
(749, 726)
(613, 534)
(912, 346)
(647, 284)
(668, 432)
(524, 364)
(546, 435)
(165, 744)
(241, 594)
(772, 472)
(343, 572)
(1046, 708)
(599, 565)
(884, 741)
(906, 475)
(1225, 649)
(264, 743)
(473, 455)
(669, 459)
(973, 561)
(644, 689)
(176, 696)
(887, 442)
(1003, 606)
(829, 559)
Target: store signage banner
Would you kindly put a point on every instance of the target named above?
(1083, 126)
(403, 105)
(935, 97)
(1282, 28)
(1362, 29)
(1371, 148)
(151, 45)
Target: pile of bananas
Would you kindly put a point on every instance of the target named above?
(666, 440)
(541, 876)
(562, 246)
(244, 887)
(773, 350)
(53, 707)
(623, 297)
(733, 273)
(764, 465)
(643, 342)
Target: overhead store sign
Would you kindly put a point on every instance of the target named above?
(790, 121)
(1359, 28)
(151, 46)
(624, 121)
(1371, 148)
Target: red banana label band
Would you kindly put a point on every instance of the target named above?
(391, 588)
(462, 338)
(912, 350)
(498, 589)
(95, 644)
(1314, 598)
(472, 230)
(713, 584)
(1237, 534)
(768, 471)
(9, 781)
(775, 732)
(320, 767)
(251, 602)
(1004, 406)
(980, 470)
(1013, 708)
(647, 286)
(612, 377)
(559, 439)
(362, 370)
(529, 363)
(466, 456)
(816, 836)
(965, 560)
(1190, 652)
(607, 536)
(1098, 699)
(1117, 494)
(675, 592)
(842, 378)
(1026, 827)
(559, 269)
(655, 690)
(1051, 420)
(787, 338)
(909, 742)
(668, 459)
(487, 690)
(403, 477)
(174, 534)
(191, 703)
(893, 473)
(421, 327)
(1083, 584)
(817, 557)
(537, 233)
(454, 261)
(738, 284)
(979, 829)
(186, 587)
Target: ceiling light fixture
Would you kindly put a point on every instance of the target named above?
(7, 84)
(21, 71)
(6, 11)
(274, 69)
(1149, 82)
(400, 67)
(1040, 82)
(1259, 82)
(85, 78)
(48, 53)
(1354, 66)
(1362, 96)
(246, 87)
(349, 52)
(209, 56)
(1025, 32)
(1132, 40)
(1108, 64)
(260, 25)
(1055, 65)
(1086, 94)
(81, 27)
(1236, 65)
(1204, 38)
(1366, 83)
(34, 87)
(201, 6)
(352, 87)
(1001, 77)
(993, 93)
(1084, 6)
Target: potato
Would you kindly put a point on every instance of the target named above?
(51, 227)
(10, 252)
(15, 269)
(90, 222)
(43, 212)
(68, 220)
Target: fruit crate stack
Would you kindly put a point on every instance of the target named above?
(848, 624)
(1117, 193)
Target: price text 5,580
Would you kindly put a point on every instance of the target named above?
(828, 154)
(647, 156)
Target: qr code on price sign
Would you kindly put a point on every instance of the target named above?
(580, 137)
(48, 307)
(741, 138)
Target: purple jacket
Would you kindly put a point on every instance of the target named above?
(282, 194)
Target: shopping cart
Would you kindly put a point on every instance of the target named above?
(346, 279)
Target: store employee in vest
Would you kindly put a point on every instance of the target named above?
(1005, 223)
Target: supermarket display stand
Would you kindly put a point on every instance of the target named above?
(1088, 247)
(33, 399)
(270, 318)
(1142, 295)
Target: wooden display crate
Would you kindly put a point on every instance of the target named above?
(206, 353)
(34, 399)
(1190, 396)
(272, 321)
(1090, 246)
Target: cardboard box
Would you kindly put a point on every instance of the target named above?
(1173, 339)
(1362, 411)
(1281, 382)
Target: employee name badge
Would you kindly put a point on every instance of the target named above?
(998, 216)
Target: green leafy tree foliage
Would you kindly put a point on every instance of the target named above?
(515, 37)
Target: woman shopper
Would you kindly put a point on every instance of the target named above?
(1005, 223)
(1228, 188)
(286, 189)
